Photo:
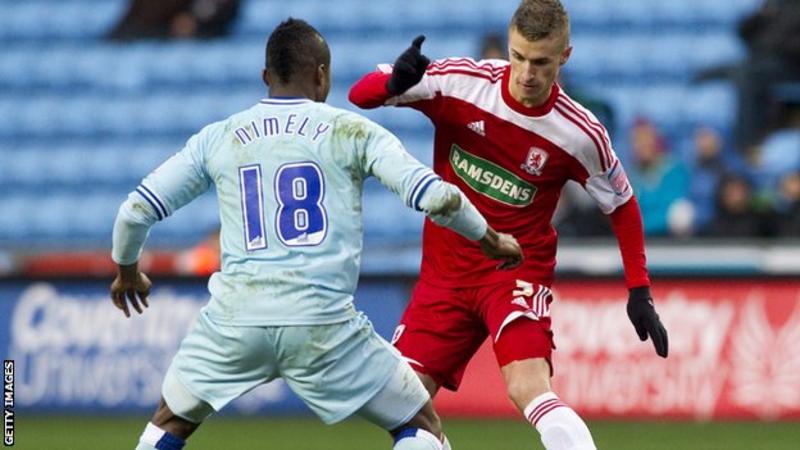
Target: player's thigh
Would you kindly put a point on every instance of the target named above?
(517, 314)
(400, 400)
(439, 332)
(214, 365)
(335, 368)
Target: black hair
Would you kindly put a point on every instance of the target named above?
(293, 48)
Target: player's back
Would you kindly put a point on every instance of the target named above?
(289, 175)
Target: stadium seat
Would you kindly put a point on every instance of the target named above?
(47, 19)
(74, 106)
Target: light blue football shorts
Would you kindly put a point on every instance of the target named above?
(335, 368)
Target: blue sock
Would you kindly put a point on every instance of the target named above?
(154, 438)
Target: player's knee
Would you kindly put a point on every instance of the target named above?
(426, 419)
(524, 382)
(522, 391)
(182, 403)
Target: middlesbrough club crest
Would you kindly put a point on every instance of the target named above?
(535, 161)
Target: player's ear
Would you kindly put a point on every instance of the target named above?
(265, 76)
(323, 81)
(323, 74)
(565, 55)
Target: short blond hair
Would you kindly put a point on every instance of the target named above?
(540, 19)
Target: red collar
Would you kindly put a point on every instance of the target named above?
(534, 111)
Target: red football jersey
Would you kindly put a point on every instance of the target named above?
(511, 161)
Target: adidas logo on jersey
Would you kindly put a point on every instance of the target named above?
(477, 127)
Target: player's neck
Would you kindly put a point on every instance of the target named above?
(291, 91)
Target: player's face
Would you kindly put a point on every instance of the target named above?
(535, 66)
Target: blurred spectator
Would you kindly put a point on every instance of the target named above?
(493, 46)
(771, 35)
(175, 19)
(788, 205)
(735, 215)
(706, 168)
(659, 182)
(778, 155)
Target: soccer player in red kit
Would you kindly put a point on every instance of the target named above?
(510, 138)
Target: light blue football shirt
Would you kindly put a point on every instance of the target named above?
(289, 176)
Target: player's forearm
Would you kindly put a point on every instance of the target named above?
(626, 221)
(370, 91)
(130, 232)
(447, 206)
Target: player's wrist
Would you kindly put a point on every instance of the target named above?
(128, 272)
(490, 237)
(639, 293)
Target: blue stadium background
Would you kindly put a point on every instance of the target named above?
(84, 119)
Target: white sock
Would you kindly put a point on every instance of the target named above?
(417, 439)
(558, 425)
(154, 438)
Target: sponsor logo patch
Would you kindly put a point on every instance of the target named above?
(490, 179)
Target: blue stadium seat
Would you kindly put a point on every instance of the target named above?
(386, 216)
(84, 120)
(13, 220)
(43, 19)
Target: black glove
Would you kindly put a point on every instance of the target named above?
(644, 318)
(408, 68)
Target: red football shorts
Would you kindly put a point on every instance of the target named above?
(442, 328)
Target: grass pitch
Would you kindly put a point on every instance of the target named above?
(235, 433)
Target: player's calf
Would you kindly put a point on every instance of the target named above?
(166, 430)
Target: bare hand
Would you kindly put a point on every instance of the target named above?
(502, 246)
(130, 286)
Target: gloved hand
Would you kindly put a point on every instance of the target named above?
(408, 68)
(644, 318)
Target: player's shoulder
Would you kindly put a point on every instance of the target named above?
(585, 134)
(572, 105)
(354, 123)
(467, 62)
(469, 69)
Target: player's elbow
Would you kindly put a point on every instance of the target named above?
(134, 212)
(444, 199)
(357, 98)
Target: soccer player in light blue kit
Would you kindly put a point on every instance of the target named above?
(289, 175)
